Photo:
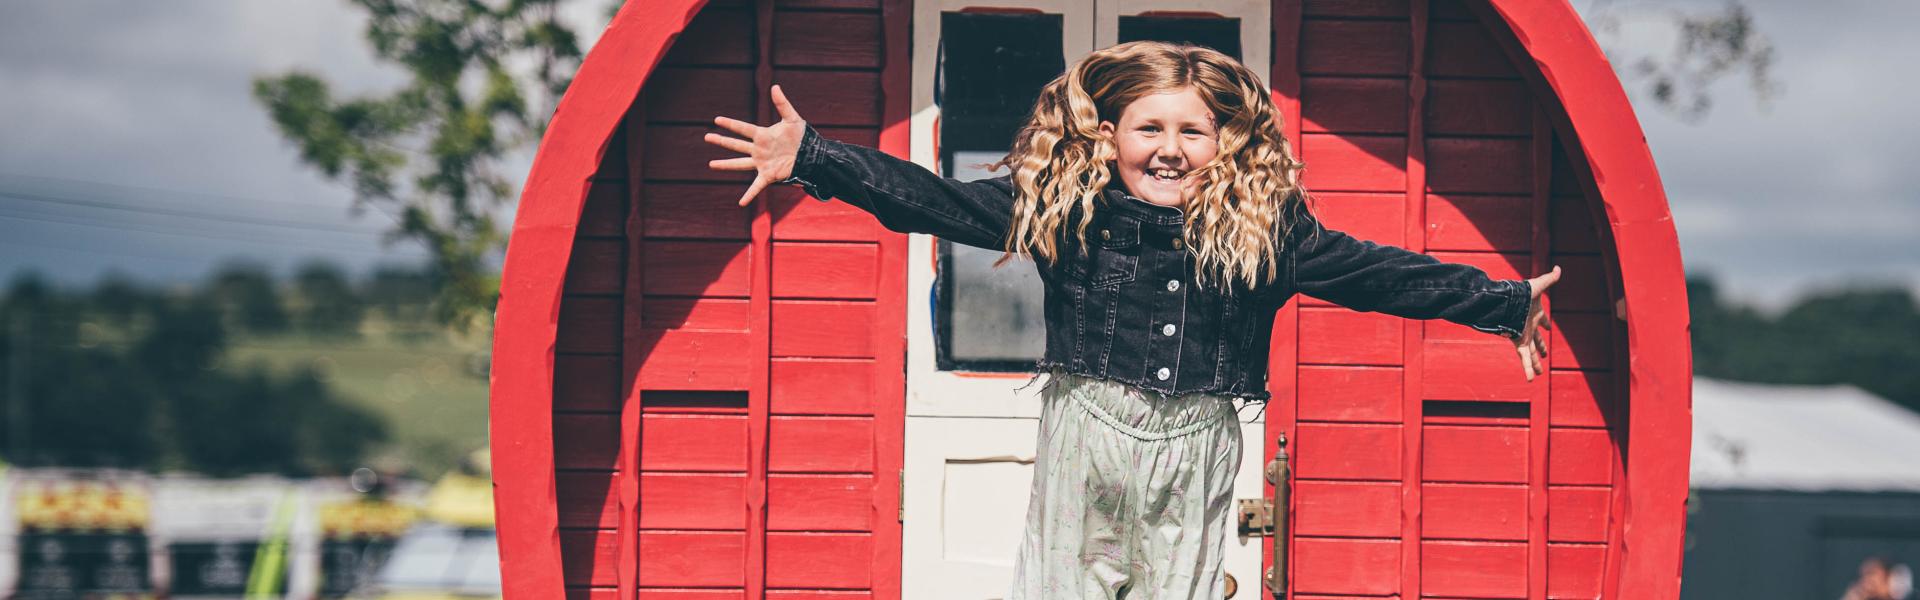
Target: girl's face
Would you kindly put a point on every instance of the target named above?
(1162, 138)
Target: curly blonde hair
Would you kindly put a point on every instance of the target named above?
(1060, 159)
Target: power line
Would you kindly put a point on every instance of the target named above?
(184, 213)
(125, 227)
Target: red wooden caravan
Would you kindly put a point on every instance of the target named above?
(695, 400)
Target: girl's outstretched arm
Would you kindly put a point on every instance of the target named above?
(903, 196)
(1365, 276)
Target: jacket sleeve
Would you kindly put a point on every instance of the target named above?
(1369, 277)
(903, 196)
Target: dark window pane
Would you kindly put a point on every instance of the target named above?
(1212, 32)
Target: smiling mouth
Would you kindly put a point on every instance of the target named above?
(1165, 175)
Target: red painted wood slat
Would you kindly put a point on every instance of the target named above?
(586, 383)
(823, 387)
(1578, 514)
(1353, 105)
(1473, 512)
(826, 39)
(1473, 570)
(820, 502)
(695, 95)
(834, 98)
(1367, 394)
(804, 328)
(688, 268)
(821, 444)
(693, 443)
(1347, 509)
(1355, 164)
(1467, 222)
(1340, 47)
(1346, 566)
(1327, 451)
(1338, 336)
(818, 270)
(692, 558)
(1474, 454)
(693, 500)
(1463, 165)
(819, 560)
(695, 210)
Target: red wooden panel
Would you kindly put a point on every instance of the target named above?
(1351, 163)
(715, 37)
(682, 313)
(827, 387)
(802, 217)
(1337, 47)
(693, 442)
(692, 558)
(695, 210)
(586, 500)
(1353, 8)
(1344, 566)
(1582, 286)
(588, 441)
(586, 383)
(589, 325)
(597, 266)
(1479, 165)
(822, 328)
(820, 502)
(605, 211)
(1329, 451)
(1474, 454)
(1473, 512)
(1573, 229)
(697, 95)
(1580, 456)
(1476, 370)
(1581, 340)
(1378, 218)
(1353, 105)
(1346, 509)
(1578, 514)
(814, 270)
(1478, 107)
(689, 594)
(847, 98)
(585, 593)
(1340, 336)
(693, 500)
(694, 360)
(1449, 10)
(864, 136)
(826, 39)
(587, 556)
(1349, 394)
(1580, 398)
(677, 153)
(819, 560)
(1464, 50)
(820, 594)
(1473, 569)
(689, 268)
(1575, 571)
(613, 160)
(1479, 223)
(820, 444)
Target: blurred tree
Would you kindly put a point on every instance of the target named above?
(1710, 44)
(1864, 336)
(329, 305)
(472, 64)
(396, 291)
(246, 291)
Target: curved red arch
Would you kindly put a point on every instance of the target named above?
(520, 414)
(1565, 55)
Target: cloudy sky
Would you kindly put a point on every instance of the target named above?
(129, 141)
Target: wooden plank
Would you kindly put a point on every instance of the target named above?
(1578, 514)
(703, 314)
(1377, 218)
(1365, 452)
(692, 558)
(605, 213)
(677, 153)
(696, 95)
(1473, 569)
(588, 556)
(1575, 571)
(1470, 165)
(1582, 286)
(1479, 107)
(713, 443)
(820, 444)
(586, 500)
(805, 328)
(1334, 336)
(819, 560)
(586, 383)
(690, 594)
(1354, 8)
(1349, 163)
(1474, 454)
(1346, 509)
(825, 270)
(822, 387)
(693, 500)
(1573, 228)
(1345, 566)
(592, 441)
(613, 160)
(1466, 50)
(1339, 393)
(834, 98)
(1581, 341)
(1580, 456)
(799, 217)
(1581, 399)
(588, 325)
(1474, 370)
(1473, 512)
(826, 39)
(598, 266)
(1479, 223)
(693, 360)
(1353, 105)
(820, 502)
(1341, 47)
(695, 210)
(716, 37)
(689, 268)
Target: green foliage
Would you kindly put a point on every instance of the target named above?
(1709, 45)
(329, 304)
(1864, 336)
(427, 153)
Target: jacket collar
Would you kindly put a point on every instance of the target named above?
(1121, 202)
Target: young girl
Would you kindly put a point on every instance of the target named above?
(1162, 207)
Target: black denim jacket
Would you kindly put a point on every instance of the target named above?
(1125, 308)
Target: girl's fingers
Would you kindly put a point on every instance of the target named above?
(781, 105)
(743, 128)
(731, 143)
(759, 183)
(1526, 361)
(744, 163)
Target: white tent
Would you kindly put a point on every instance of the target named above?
(1801, 438)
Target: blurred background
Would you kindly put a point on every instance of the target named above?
(248, 255)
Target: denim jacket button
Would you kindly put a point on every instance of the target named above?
(1178, 245)
(1163, 374)
(1173, 285)
(1168, 329)
(1106, 234)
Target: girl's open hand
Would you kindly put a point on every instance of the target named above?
(769, 150)
(1533, 349)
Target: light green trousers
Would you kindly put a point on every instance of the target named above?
(1132, 494)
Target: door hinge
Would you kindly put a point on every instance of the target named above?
(1256, 517)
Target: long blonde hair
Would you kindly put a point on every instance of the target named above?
(1060, 158)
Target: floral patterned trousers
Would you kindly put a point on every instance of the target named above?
(1132, 494)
